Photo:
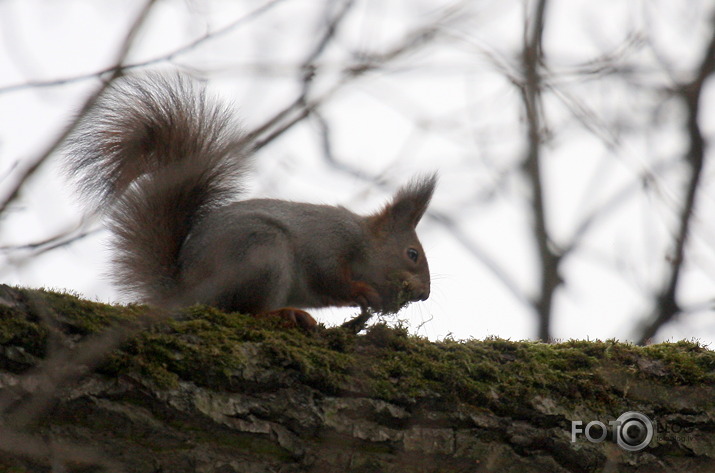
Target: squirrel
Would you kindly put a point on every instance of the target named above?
(164, 163)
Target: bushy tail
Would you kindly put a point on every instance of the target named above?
(155, 153)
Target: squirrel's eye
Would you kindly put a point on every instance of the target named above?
(413, 254)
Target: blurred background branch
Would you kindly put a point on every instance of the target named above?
(691, 94)
(533, 61)
(116, 71)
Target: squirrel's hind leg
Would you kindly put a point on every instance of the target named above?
(255, 276)
(292, 317)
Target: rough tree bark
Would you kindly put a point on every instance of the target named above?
(207, 391)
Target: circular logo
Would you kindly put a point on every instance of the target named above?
(634, 431)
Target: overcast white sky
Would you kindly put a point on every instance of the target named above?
(449, 106)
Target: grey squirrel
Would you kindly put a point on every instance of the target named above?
(165, 163)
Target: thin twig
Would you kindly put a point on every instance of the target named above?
(59, 240)
(613, 203)
(482, 256)
(163, 58)
(301, 107)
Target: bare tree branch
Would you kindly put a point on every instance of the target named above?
(482, 256)
(53, 242)
(328, 154)
(309, 66)
(613, 203)
(121, 55)
(231, 27)
(532, 59)
(301, 107)
(667, 306)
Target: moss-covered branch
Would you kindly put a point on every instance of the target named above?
(208, 391)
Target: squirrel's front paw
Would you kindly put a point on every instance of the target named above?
(366, 296)
(292, 317)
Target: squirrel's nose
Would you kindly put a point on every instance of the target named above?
(423, 296)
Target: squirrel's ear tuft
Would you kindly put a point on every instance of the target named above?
(409, 203)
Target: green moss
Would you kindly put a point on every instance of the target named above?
(80, 316)
(235, 352)
(683, 362)
(474, 371)
(203, 346)
(33, 314)
(16, 330)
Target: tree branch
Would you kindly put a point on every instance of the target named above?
(532, 60)
(117, 71)
(667, 305)
(166, 57)
(301, 107)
